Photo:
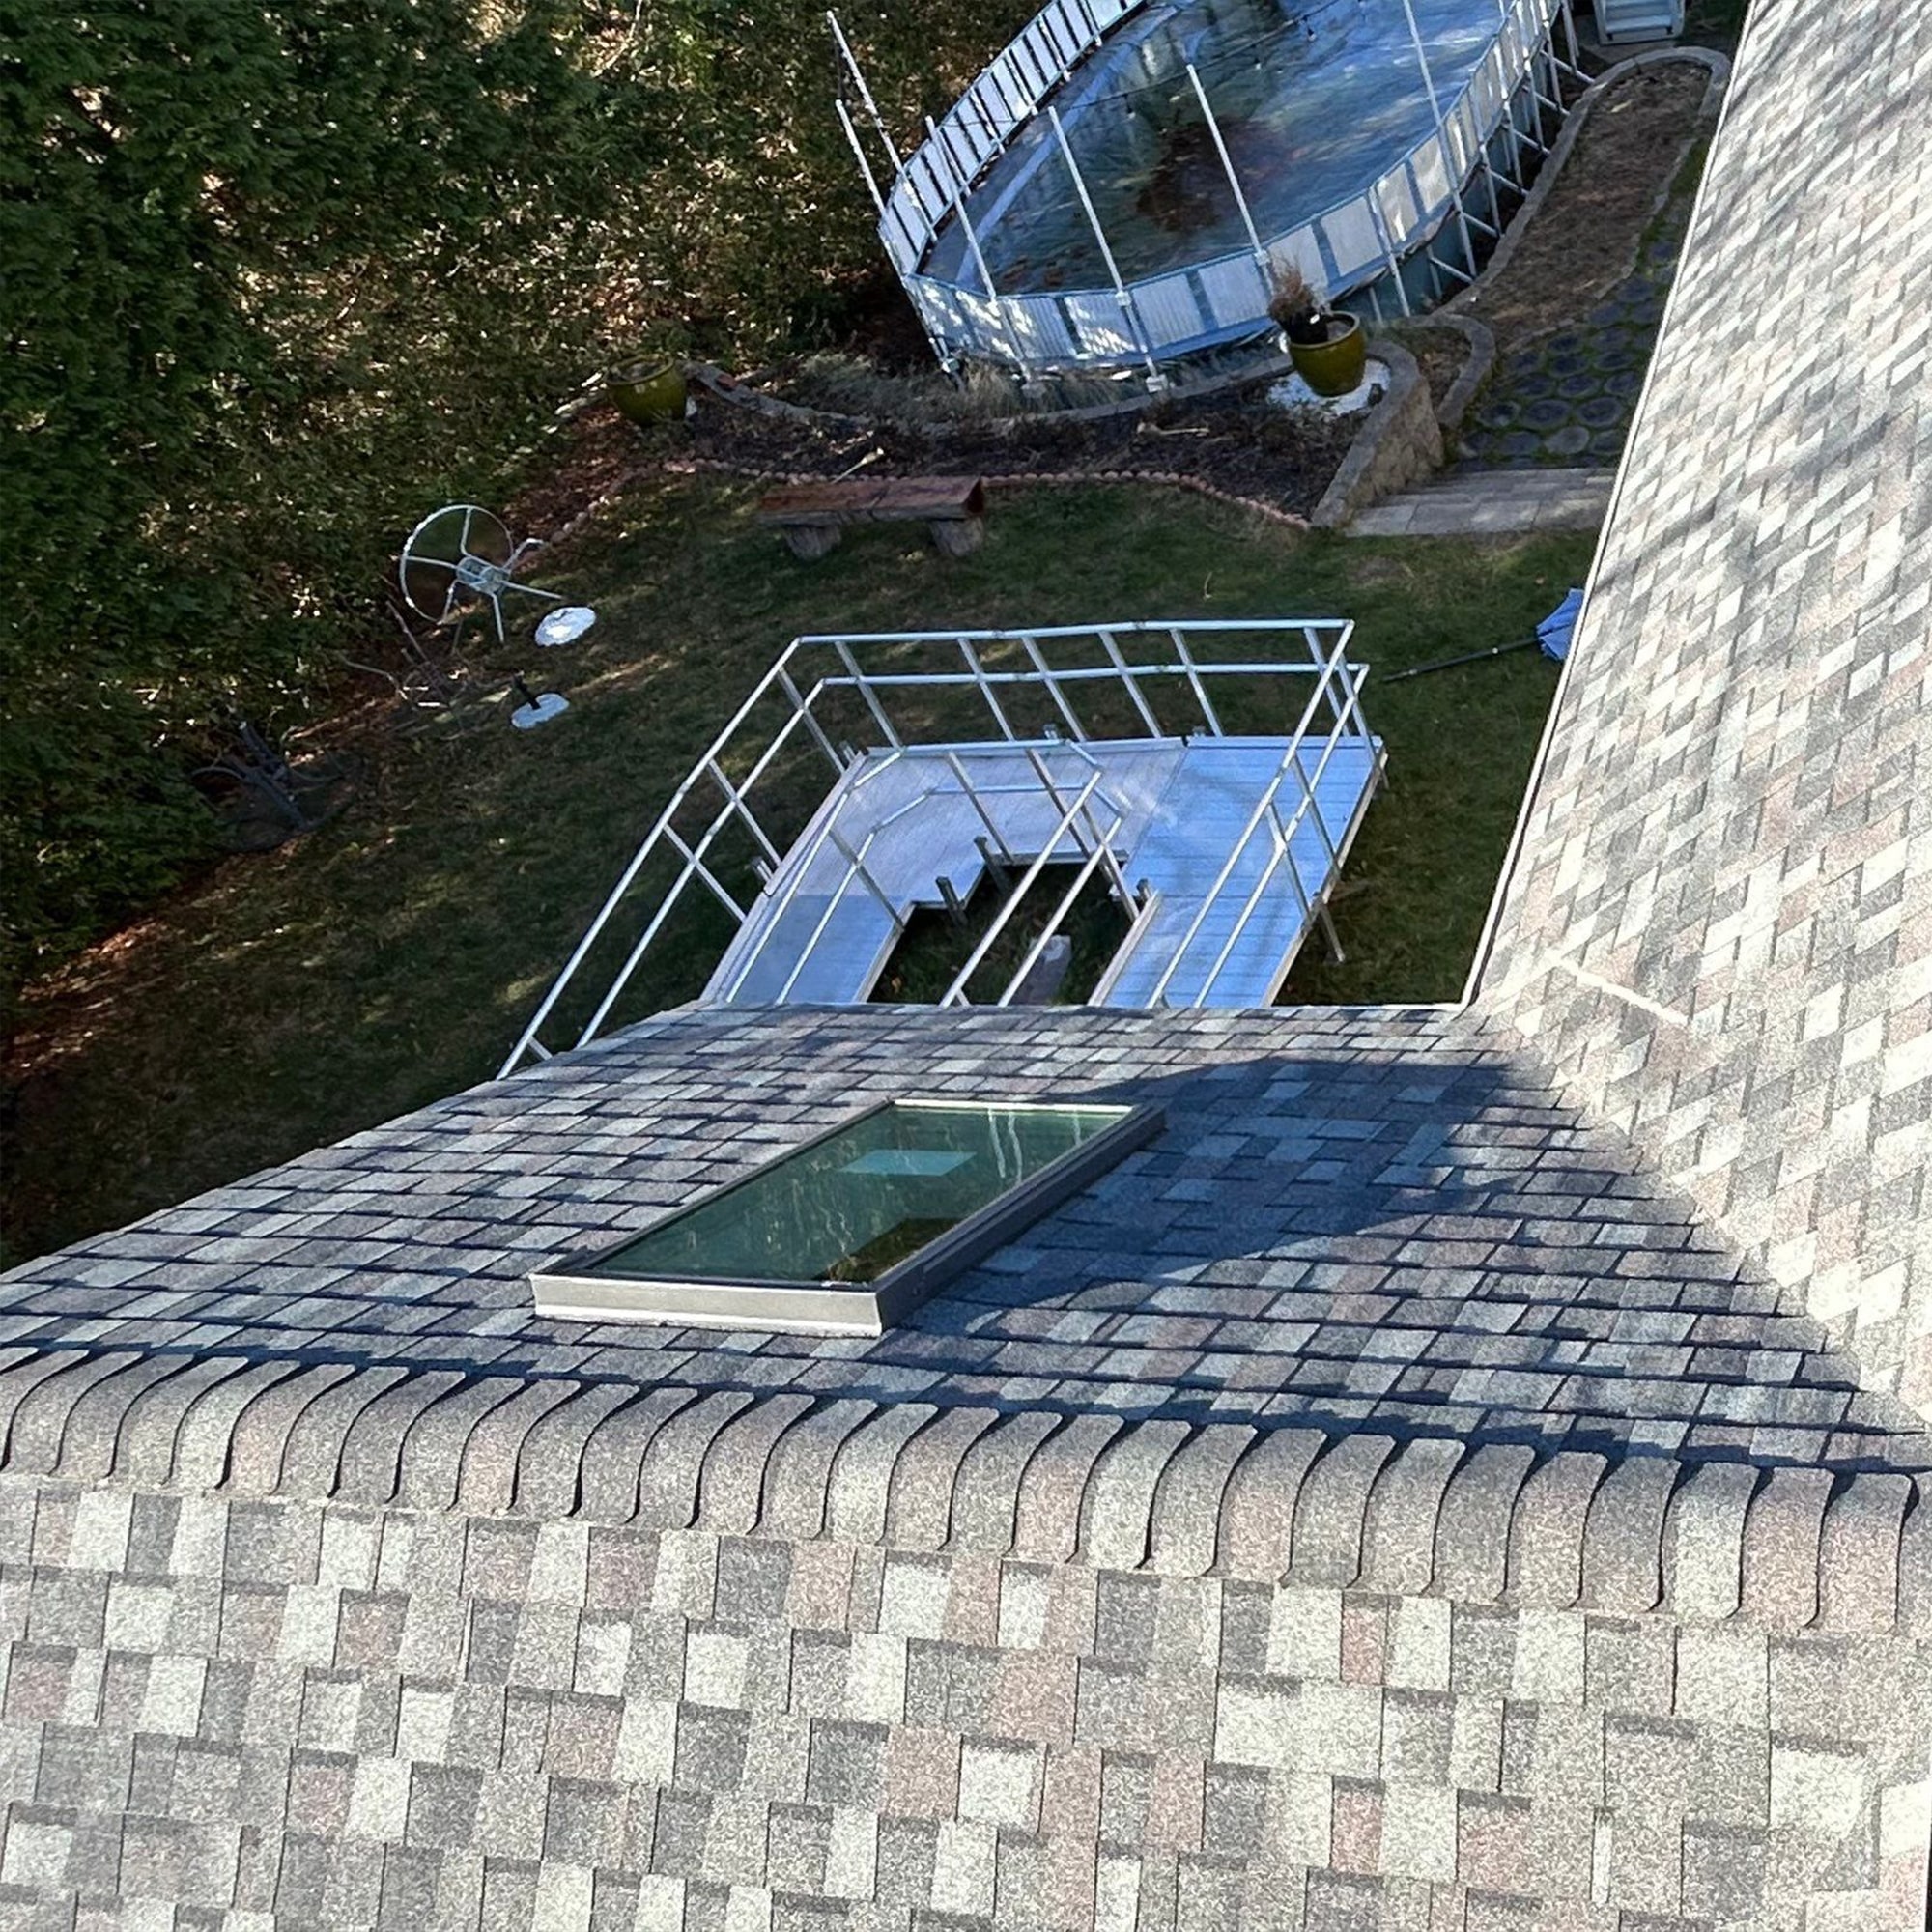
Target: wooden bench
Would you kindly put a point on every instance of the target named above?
(809, 516)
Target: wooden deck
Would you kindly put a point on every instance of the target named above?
(819, 933)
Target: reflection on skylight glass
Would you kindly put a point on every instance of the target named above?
(848, 1208)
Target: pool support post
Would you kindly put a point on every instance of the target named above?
(1228, 168)
(865, 93)
(1449, 168)
(1155, 380)
(939, 351)
(957, 185)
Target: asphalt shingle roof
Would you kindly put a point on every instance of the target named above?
(1383, 1222)
(1385, 1501)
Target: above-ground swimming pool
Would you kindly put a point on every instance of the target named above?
(1080, 206)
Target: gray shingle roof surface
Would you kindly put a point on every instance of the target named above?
(1384, 1502)
(1718, 932)
(1383, 1222)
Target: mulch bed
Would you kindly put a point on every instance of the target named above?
(1230, 445)
(1439, 351)
(1234, 442)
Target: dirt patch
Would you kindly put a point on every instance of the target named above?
(1441, 354)
(1584, 239)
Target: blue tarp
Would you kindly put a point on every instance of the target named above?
(1553, 633)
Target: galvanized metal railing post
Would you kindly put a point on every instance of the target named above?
(1193, 671)
(1133, 685)
(1441, 136)
(979, 805)
(1059, 916)
(1255, 818)
(799, 871)
(1228, 168)
(955, 994)
(743, 811)
(1130, 309)
(694, 858)
(985, 687)
(864, 872)
(1050, 678)
(865, 691)
(802, 705)
(1051, 786)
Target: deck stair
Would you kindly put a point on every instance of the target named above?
(1620, 22)
(1224, 924)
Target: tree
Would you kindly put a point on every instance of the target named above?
(282, 272)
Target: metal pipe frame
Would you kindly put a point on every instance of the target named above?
(804, 866)
(1241, 845)
(858, 147)
(1228, 169)
(1441, 134)
(858, 74)
(1129, 308)
(955, 994)
(1060, 912)
(958, 177)
(1321, 653)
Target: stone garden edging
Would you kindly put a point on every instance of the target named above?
(1399, 442)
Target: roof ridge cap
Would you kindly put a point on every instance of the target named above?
(1296, 1505)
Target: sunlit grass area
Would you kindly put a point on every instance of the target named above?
(393, 955)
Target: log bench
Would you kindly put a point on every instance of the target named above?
(809, 516)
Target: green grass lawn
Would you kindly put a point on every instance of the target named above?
(393, 955)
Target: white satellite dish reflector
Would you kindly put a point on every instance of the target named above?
(537, 708)
(462, 555)
(564, 625)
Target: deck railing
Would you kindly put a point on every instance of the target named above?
(833, 703)
(1358, 243)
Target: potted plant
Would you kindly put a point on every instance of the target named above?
(647, 388)
(1327, 349)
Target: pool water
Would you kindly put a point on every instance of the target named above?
(1315, 102)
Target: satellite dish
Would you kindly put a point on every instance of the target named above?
(564, 626)
(462, 555)
(536, 708)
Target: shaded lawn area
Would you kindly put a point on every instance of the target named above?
(392, 956)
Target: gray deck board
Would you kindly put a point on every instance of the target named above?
(822, 933)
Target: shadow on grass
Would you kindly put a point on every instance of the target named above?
(393, 955)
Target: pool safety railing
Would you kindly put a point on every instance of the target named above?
(837, 713)
(1489, 133)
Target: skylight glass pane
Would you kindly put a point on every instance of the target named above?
(852, 1229)
(849, 1207)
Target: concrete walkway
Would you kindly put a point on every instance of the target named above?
(1494, 502)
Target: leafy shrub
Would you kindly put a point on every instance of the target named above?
(282, 274)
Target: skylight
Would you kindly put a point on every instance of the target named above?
(854, 1229)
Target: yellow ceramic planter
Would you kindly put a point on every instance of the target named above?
(1334, 367)
(647, 393)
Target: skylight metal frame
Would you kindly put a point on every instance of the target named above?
(568, 1291)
